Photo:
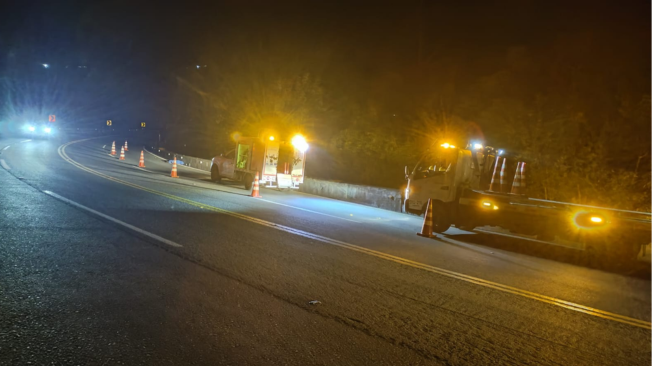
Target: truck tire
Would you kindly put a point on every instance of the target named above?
(441, 218)
(248, 181)
(215, 174)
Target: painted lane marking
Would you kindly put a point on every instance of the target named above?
(4, 164)
(6, 147)
(28, 140)
(114, 220)
(305, 209)
(440, 271)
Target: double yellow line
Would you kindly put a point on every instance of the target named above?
(440, 271)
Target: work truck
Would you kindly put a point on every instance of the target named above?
(280, 164)
(464, 185)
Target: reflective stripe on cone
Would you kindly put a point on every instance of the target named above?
(426, 229)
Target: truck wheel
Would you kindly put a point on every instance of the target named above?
(248, 181)
(441, 220)
(215, 174)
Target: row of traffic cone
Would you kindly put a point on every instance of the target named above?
(124, 148)
(499, 182)
(255, 192)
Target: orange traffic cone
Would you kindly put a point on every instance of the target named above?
(122, 153)
(516, 185)
(141, 163)
(126, 149)
(174, 168)
(256, 191)
(113, 148)
(503, 182)
(426, 229)
(495, 178)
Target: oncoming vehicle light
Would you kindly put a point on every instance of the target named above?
(596, 219)
(31, 128)
(47, 130)
(486, 204)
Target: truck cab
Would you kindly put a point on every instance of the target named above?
(443, 174)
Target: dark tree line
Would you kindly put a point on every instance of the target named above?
(575, 106)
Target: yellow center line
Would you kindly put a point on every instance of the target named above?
(440, 271)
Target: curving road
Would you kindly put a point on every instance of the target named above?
(102, 262)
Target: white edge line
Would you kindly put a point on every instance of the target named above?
(4, 164)
(6, 147)
(304, 209)
(131, 227)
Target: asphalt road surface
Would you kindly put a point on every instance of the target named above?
(105, 263)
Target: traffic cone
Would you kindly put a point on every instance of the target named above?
(426, 229)
(122, 153)
(523, 187)
(495, 178)
(113, 148)
(516, 184)
(141, 163)
(256, 191)
(174, 168)
(503, 182)
(126, 149)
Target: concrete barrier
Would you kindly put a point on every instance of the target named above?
(191, 161)
(385, 198)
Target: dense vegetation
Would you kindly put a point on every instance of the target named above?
(575, 105)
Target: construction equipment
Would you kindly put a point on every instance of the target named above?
(126, 148)
(113, 148)
(141, 163)
(122, 153)
(460, 195)
(278, 162)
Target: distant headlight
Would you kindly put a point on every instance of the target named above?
(31, 128)
(47, 130)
